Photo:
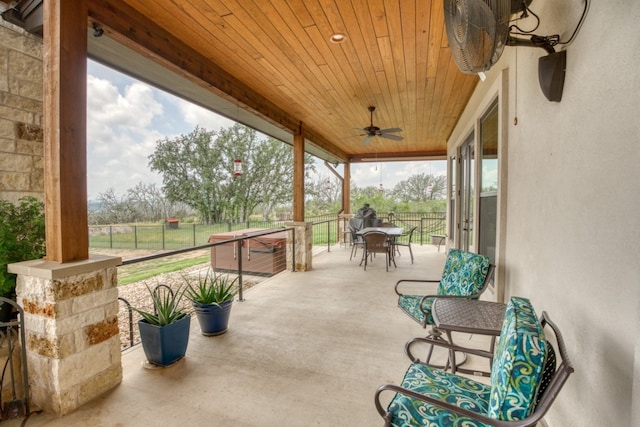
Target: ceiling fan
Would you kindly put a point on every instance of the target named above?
(371, 131)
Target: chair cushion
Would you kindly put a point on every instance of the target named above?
(518, 363)
(464, 273)
(411, 305)
(445, 387)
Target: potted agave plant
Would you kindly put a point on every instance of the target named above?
(165, 331)
(212, 297)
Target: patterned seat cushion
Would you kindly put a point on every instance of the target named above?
(517, 370)
(446, 387)
(518, 362)
(463, 275)
(411, 305)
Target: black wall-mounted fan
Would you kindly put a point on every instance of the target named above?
(478, 31)
(371, 131)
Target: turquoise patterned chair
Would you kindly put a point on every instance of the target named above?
(465, 275)
(525, 380)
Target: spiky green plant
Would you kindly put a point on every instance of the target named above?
(212, 288)
(166, 305)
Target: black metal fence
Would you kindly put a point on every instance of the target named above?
(172, 236)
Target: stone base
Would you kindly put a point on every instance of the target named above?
(71, 327)
(303, 246)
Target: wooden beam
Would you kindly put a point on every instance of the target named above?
(346, 188)
(298, 175)
(65, 129)
(132, 29)
(399, 156)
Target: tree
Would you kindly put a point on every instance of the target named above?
(114, 209)
(197, 169)
(323, 195)
(420, 188)
(148, 201)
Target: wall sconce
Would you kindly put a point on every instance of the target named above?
(237, 167)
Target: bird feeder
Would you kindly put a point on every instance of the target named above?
(237, 167)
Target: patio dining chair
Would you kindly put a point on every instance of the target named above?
(404, 240)
(377, 242)
(356, 242)
(465, 275)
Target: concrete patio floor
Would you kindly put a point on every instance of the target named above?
(303, 349)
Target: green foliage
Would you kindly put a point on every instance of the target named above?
(197, 169)
(166, 306)
(420, 187)
(22, 237)
(212, 288)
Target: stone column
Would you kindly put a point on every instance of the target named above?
(303, 246)
(71, 325)
(343, 229)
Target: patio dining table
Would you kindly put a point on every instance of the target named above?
(392, 232)
(389, 231)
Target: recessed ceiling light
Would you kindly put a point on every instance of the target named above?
(337, 38)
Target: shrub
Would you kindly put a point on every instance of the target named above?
(22, 237)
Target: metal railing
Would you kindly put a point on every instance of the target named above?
(241, 247)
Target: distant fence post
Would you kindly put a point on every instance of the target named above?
(111, 237)
(135, 237)
(162, 228)
(194, 234)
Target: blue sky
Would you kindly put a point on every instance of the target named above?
(126, 117)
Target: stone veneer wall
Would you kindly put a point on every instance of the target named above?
(72, 335)
(303, 246)
(21, 96)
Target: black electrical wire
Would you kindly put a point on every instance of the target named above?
(582, 18)
(524, 15)
(551, 40)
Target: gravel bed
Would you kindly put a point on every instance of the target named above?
(137, 295)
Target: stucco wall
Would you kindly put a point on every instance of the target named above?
(572, 193)
(21, 148)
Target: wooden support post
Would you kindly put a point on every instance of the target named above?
(65, 129)
(346, 188)
(298, 175)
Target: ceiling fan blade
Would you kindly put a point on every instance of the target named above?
(394, 137)
(390, 130)
(367, 140)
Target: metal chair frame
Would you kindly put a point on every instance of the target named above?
(398, 242)
(547, 393)
(377, 242)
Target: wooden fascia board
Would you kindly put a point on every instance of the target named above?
(399, 156)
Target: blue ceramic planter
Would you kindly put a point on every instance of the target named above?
(213, 319)
(164, 345)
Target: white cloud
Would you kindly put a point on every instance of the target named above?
(120, 135)
(195, 115)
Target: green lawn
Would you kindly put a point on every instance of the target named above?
(141, 271)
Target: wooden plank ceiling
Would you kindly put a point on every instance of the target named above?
(275, 59)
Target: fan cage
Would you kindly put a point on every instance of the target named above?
(477, 31)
